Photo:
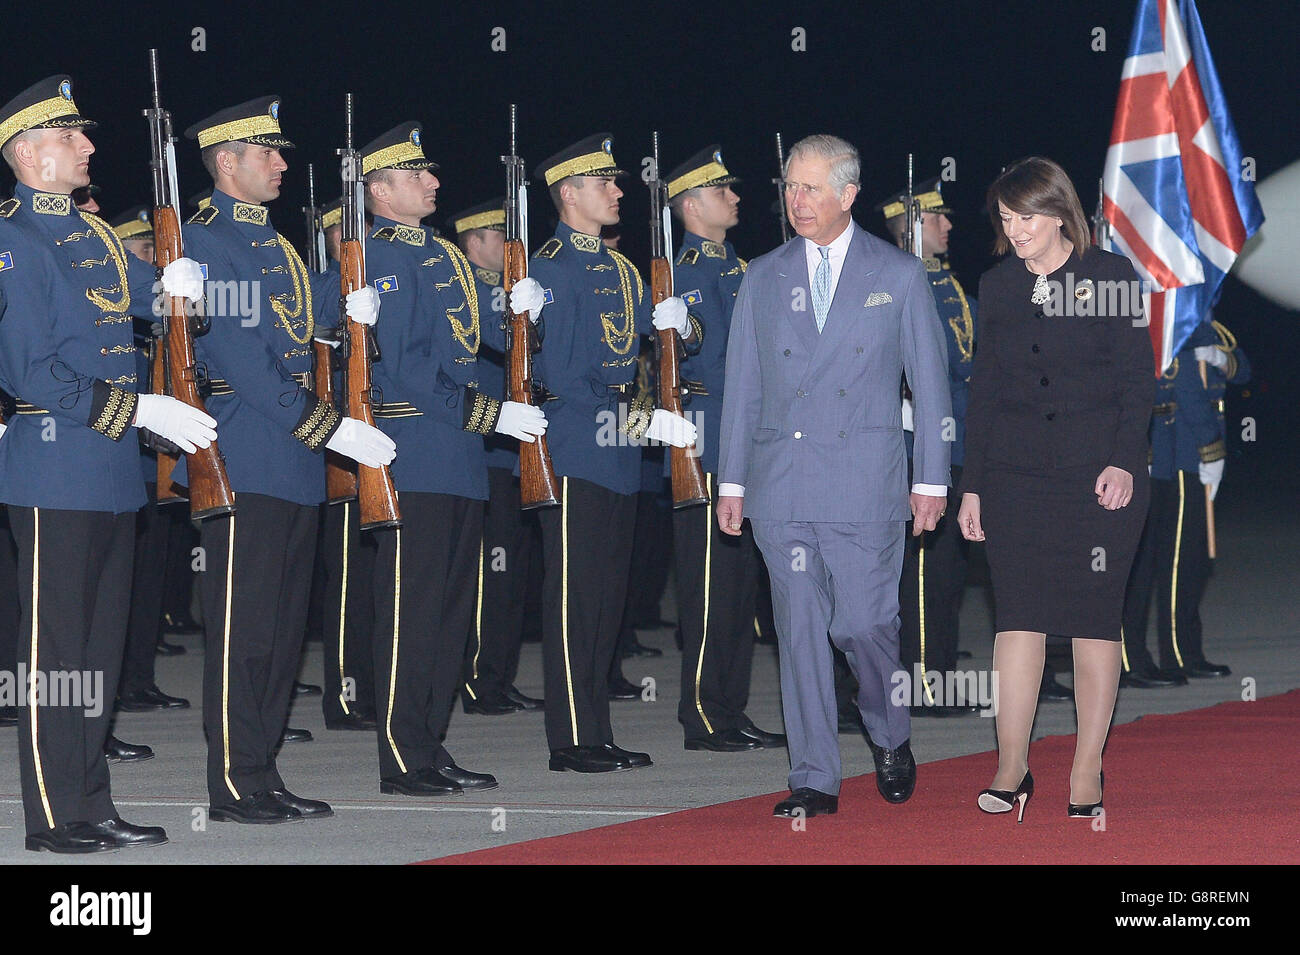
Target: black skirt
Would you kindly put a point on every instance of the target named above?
(1059, 561)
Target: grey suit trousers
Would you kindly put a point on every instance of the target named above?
(839, 579)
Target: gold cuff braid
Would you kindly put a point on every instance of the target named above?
(1215, 451)
(117, 415)
(318, 426)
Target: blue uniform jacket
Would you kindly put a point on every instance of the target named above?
(502, 450)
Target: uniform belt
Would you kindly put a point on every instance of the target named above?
(1164, 409)
(219, 386)
(396, 409)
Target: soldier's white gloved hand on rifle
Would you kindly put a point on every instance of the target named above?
(1212, 355)
(527, 296)
(327, 336)
(671, 429)
(521, 421)
(186, 427)
(359, 441)
(183, 277)
(1212, 476)
(363, 306)
(671, 313)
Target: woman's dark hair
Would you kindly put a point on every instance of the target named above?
(1036, 185)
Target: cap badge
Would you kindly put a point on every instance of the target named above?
(65, 90)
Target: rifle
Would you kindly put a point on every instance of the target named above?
(210, 493)
(377, 497)
(912, 234)
(538, 486)
(779, 182)
(1100, 225)
(687, 474)
(340, 472)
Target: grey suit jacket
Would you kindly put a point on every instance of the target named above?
(812, 423)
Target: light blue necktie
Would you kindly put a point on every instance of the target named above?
(821, 290)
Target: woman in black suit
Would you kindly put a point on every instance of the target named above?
(1056, 451)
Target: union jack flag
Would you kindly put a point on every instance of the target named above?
(1173, 192)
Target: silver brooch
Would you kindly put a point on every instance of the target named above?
(1042, 294)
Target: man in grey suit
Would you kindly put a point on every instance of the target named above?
(812, 453)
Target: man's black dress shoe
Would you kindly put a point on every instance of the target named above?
(8, 716)
(524, 700)
(306, 689)
(353, 721)
(165, 649)
(294, 735)
(635, 760)
(942, 711)
(180, 623)
(1152, 679)
(73, 838)
(119, 752)
(150, 698)
(807, 802)
(1204, 668)
(259, 809)
(621, 688)
(587, 759)
(1053, 692)
(724, 741)
(895, 772)
(638, 649)
(479, 782)
(765, 739)
(489, 705)
(420, 782)
(123, 835)
(308, 808)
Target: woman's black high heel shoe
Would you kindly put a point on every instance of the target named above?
(1087, 810)
(1000, 800)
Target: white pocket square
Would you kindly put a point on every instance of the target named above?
(878, 298)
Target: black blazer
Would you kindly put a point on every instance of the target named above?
(1062, 385)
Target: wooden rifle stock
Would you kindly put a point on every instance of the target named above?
(376, 494)
(687, 474)
(209, 487)
(158, 385)
(340, 473)
(538, 486)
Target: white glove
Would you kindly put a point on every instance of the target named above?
(359, 441)
(527, 296)
(362, 306)
(187, 428)
(521, 421)
(1213, 355)
(1212, 476)
(183, 278)
(671, 313)
(670, 428)
(332, 342)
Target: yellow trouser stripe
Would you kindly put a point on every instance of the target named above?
(920, 600)
(1123, 649)
(708, 560)
(31, 700)
(225, 662)
(343, 606)
(478, 624)
(564, 604)
(1173, 583)
(397, 625)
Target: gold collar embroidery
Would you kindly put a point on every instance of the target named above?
(245, 212)
(409, 234)
(585, 243)
(487, 275)
(51, 204)
(714, 250)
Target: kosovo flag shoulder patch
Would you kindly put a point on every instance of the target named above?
(693, 297)
(6, 260)
(387, 283)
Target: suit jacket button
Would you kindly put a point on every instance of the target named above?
(798, 434)
(1051, 415)
(1034, 348)
(801, 393)
(859, 349)
(843, 435)
(843, 392)
(787, 353)
(1043, 381)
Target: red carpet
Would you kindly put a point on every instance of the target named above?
(1218, 785)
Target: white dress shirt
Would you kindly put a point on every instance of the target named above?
(839, 249)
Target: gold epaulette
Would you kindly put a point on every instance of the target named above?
(550, 249)
(386, 234)
(204, 216)
(9, 207)
(688, 257)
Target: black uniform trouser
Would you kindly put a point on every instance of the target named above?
(349, 613)
(1173, 560)
(152, 531)
(74, 579)
(9, 612)
(587, 550)
(178, 582)
(717, 584)
(507, 560)
(425, 592)
(254, 590)
(930, 589)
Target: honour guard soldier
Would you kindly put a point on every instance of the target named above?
(139, 690)
(436, 405)
(717, 574)
(511, 548)
(597, 308)
(263, 307)
(1188, 450)
(934, 564)
(69, 465)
